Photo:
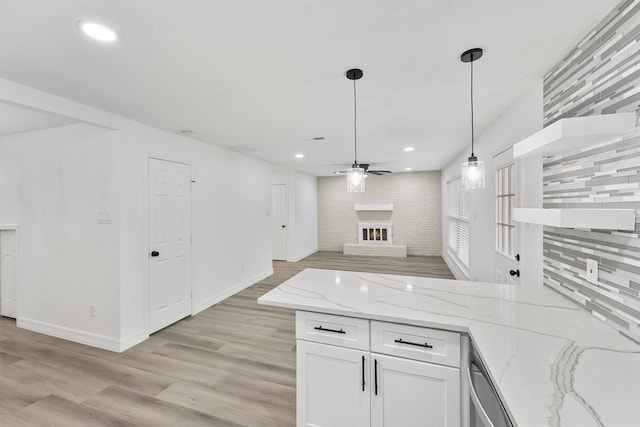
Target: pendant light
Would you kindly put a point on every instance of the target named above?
(472, 170)
(355, 174)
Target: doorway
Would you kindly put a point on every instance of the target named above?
(169, 258)
(279, 209)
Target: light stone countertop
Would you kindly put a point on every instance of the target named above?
(552, 362)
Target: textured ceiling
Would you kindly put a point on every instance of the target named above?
(265, 77)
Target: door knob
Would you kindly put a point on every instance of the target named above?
(155, 253)
(284, 226)
(514, 273)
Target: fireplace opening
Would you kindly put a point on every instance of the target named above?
(379, 233)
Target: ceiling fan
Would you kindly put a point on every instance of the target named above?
(364, 166)
(356, 74)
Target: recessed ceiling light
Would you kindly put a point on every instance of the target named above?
(408, 149)
(299, 156)
(407, 169)
(97, 31)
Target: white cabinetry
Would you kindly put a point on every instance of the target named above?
(408, 376)
(332, 386)
(411, 393)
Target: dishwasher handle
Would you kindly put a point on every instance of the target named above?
(480, 411)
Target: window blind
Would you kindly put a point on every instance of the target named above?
(458, 218)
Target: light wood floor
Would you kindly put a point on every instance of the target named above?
(231, 365)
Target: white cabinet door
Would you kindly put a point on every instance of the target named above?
(408, 393)
(332, 386)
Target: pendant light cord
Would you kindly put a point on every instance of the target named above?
(472, 155)
(355, 129)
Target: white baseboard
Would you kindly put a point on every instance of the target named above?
(458, 272)
(70, 334)
(220, 296)
(133, 339)
(303, 255)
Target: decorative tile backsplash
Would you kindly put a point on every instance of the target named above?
(600, 76)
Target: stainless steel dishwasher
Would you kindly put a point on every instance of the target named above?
(485, 407)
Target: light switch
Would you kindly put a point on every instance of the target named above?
(104, 217)
(592, 271)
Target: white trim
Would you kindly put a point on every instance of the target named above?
(222, 295)
(454, 265)
(133, 339)
(70, 334)
(303, 255)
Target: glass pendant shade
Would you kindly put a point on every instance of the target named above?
(473, 173)
(472, 170)
(355, 180)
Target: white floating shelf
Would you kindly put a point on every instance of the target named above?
(604, 219)
(576, 133)
(373, 207)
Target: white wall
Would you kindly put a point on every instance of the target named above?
(10, 153)
(306, 236)
(302, 229)
(520, 120)
(61, 179)
(231, 201)
(231, 223)
(415, 219)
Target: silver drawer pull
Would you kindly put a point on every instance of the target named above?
(425, 345)
(320, 328)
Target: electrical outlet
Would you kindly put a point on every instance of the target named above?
(92, 310)
(592, 271)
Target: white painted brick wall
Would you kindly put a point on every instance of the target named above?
(416, 217)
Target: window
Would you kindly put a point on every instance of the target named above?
(505, 202)
(458, 215)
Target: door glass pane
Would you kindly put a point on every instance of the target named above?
(505, 202)
(511, 240)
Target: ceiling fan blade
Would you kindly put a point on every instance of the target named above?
(339, 172)
(378, 172)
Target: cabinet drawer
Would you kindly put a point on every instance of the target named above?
(331, 329)
(413, 342)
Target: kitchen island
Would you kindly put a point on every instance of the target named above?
(552, 363)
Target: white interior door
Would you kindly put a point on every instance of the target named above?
(8, 273)
(279, 207)
(507, 242)
(169, 243)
